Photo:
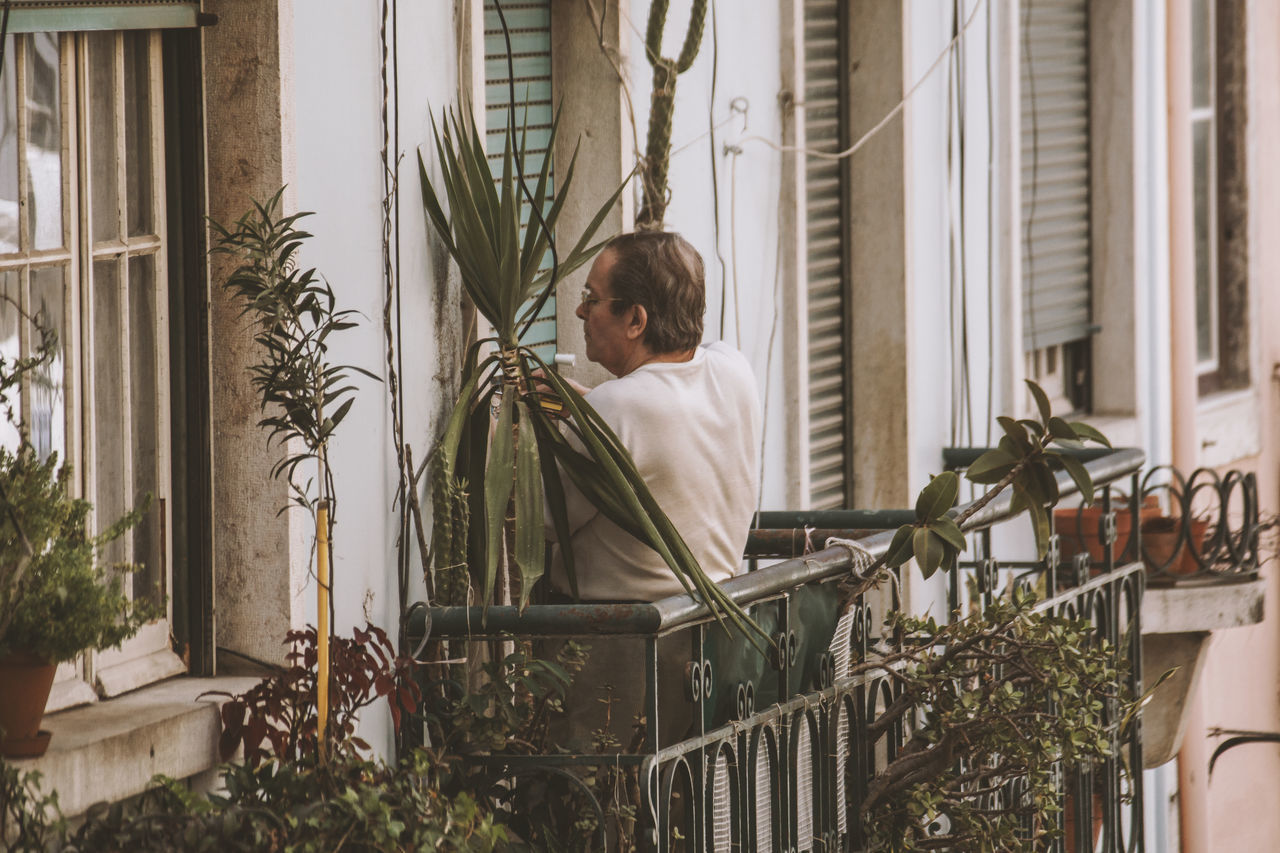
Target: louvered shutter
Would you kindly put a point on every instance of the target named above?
(34, 16)
(1055, 172)
(825, 187)
(529, 26)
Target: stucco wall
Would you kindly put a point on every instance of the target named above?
(338, 105)
(1240, 688)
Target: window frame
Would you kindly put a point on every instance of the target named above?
(148, 656)
(1228, 320)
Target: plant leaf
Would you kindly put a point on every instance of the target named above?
(938, 496)
(499, 479)
(1042, 400)
(530, 544)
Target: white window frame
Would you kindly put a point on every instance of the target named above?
(148, 656)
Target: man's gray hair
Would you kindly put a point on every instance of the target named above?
(660, 271)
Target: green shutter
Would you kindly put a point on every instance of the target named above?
(1055, 172)
(529, 26)
(825, 120)
(35, 16)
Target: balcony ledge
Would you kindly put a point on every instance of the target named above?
(110, 750)
(1203, 606)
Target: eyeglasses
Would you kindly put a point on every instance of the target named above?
(588, 300)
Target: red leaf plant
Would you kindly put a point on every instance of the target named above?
(278, 717)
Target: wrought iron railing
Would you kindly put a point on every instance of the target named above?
(781, 748)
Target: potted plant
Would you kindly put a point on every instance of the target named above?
(57, 600)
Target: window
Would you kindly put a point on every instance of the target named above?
(1056, 175)
(83, 243)
(826, 265)
(529, 28)
(1219, 196)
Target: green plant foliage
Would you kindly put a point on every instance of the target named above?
(350, 804)
(303, 396)
(1051, 709)
(1027, 459)
(502, 271)
(57, 600)
(278, 718)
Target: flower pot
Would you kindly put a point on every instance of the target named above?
(1164, 548)
(25, 681)
(1069, 822)
(1080, 529)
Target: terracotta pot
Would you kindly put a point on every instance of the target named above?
(25, 681)
(1165, 550)
(1079, 529)
(1069, 822)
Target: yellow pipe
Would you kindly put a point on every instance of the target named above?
(322, 639)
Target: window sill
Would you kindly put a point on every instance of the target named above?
(1227, 426)
(110, 750)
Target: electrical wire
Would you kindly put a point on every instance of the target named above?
(1035, 171)
(991, 280)
(715, 183)
(866, 137)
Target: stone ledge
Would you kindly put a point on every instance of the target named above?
(1202, 607)
(110, 750)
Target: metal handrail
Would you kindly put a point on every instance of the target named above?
(677, 611)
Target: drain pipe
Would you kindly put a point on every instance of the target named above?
(1193, 786)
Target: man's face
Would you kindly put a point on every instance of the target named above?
(610, 337)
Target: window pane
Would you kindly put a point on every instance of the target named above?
(147, 539)
(1201, 53)
(44, 140)
(101, 131)
(109, 403)
(137, 130)
(8, 156)
(9, 351)
(1206, 284)
(48, 419)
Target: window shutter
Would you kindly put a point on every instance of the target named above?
(1055, 172)
(825, 123)
(36, 16)
(529, 26)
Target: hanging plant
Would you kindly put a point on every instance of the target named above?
(477, 477)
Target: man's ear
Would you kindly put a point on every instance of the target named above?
(637, 322)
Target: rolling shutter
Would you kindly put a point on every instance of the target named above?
(529, 26)
(825, 126)
(1055, 172)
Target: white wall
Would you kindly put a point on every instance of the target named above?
(338, 103)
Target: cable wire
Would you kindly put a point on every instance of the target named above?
(866, 137)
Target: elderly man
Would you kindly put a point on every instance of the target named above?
(688, 414)
(690, 417)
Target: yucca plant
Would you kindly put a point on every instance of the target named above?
(478, 477)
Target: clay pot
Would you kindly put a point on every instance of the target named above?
(1069, 822)
(1165, 549)
(1079, 530)
(25, 681)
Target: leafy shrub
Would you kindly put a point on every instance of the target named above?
(280, 711)
(57, 601)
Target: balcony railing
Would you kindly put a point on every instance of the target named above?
(781, 748)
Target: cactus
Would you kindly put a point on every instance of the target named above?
(657, 155)
(450, 517)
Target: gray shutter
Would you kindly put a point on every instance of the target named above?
(36, 16)
(825, 122)
(529, 26)
(1055, 172)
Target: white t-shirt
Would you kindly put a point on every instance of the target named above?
(693, 429)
